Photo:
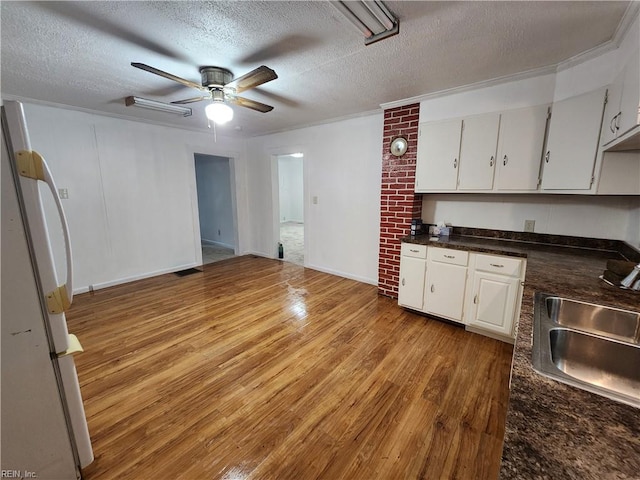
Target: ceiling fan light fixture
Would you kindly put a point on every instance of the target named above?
(219, 112)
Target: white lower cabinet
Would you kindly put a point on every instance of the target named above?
(446, 281)
(434, 280)
(493, 302)
(413, 265)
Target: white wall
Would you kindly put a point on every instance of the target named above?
(634, 226)
(597, 217)
(598, 71)
(132, 206)
(517, 94)
(343, 170)
(213, 180)
(291, 184)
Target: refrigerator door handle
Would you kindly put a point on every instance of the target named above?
(33, 165)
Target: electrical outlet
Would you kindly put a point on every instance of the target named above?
(63, 193)
(529, 225)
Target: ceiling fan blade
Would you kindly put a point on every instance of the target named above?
(191, 100)
(252, 104)
(170, 76)
(252, 79)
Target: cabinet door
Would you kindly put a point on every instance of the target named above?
(444, 295)
(521, 143)
(630, 98)
(572, 144)
(494, 302)
(438, 155)
(412, 277)
(478, 152)
(612, 110)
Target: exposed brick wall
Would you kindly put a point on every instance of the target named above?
(398, 203)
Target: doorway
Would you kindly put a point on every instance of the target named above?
(215, 207)
(291, 206)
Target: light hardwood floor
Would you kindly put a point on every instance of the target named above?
(261, 369)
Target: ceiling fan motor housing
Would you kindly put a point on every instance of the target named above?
(215, 77)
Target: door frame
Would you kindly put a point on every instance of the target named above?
(275, 198)
(195, 212)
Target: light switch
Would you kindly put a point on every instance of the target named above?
(63, 193)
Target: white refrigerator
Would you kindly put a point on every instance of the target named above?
(44, 430)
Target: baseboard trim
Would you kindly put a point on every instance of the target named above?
(133, 278)
(338, 273)
(358, 278)
(258, 254)
(205, 241)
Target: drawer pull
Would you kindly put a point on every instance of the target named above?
(496, 265)
(414, 251)
(449, 256)
(432, 288)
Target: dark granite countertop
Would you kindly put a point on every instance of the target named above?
(553, 430)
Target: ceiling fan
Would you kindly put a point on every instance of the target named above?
(220, 87)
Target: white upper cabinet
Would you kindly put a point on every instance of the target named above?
(482, 153)
(612, 110)
(478, 152)
(630, 98)
(572, 144)
(438, 155)
(623, 103)
(520, 148)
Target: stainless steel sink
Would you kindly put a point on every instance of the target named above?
(610, 322)
(589, 346)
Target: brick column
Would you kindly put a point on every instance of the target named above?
(398, 203)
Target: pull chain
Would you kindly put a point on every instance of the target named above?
(215, 133)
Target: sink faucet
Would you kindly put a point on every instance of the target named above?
(632, 281)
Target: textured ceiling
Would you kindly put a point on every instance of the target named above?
(79, 53)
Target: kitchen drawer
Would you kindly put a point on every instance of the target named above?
(413, 250)
(447, 255)
(501, 265)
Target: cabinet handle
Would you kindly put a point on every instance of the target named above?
(612, 124)
(491, 161)
(455, 163)
(403, 282)
(449, 256)
(414, 251)
(475, 298)
(547, 156)
(617, 117)
(432, 289)
(505, 160)
(496, 265)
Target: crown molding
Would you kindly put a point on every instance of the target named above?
(631, 13)
(536, 72)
